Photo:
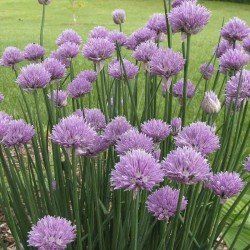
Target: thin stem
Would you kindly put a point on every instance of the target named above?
(42, 26)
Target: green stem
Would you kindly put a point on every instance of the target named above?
(42, 26)
(136, 203)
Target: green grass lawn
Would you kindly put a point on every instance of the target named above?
(20, 24)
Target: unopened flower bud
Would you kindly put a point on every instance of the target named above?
(211, 104)
(44, 2)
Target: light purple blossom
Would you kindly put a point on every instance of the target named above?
(11, 56)
(233, 59)
(176, 3)
(127, 70)
(68, 35)
(99, 32)
(158, 130)
(223, 46)
(235, 30)
(207, 70)
(74, 132)
(131, 42)
(176, 125)
(59, 98)
(157, 22)
(145, 51)
(68, 50)
(166, 63)
(56, 69)
(247, 164)
(225, 184)
(188, 18)
(119, 16)
(3, 115)
(178, 89)
(100, 145)
(51, 233)
(89, 75)
(132, 139)
(117, 37)
(33, 76)
(163, 203)
(246, 44)
(118, 126)
(199, 136)
(79, 87)
(98, 50)
(136, 170)
(211, 103)
(44, 2)
(34, 52)
(17, 133)
(144, 34)
(1, 97)
(56, 55)
(186, 165)
(4, 122)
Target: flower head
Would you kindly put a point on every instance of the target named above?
(68, 50)
(158, 23)
(131, 42)
(178, 89)
(176, 3)
(56, 69)
(225, 184)
(68, 35)
(34, 52)
(51, 233)
(57, 55)
(100, 145)
(247, 164)
(11, 56)
(144, 34)
(33, 76)
(176, 125)
(136, 170)
(207, 70)
(44, 2)
(98, 50)
(89, 75)
(158, 130)
(246, 44)
(117, 37)
(127, 70)
(199, 136)
(119, 16)
(166, 63)
(186, 165)
(233, 59)
(99, 32)
(59, 98)
(188, 18)
(235, 30)
(145, 51)
(222, 47)
(79, 87)
(132, 139)
(74, 132)
(163, 203)
(211, 103)
(18, 133)
(118, 126)
(4, 122)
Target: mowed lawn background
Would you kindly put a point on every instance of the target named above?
(20, 25)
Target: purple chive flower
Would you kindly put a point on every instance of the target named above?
(145, 51)
(207, 70)
(246, 44)
(225, 184)
(33, 52)
(4, 122)
(95, 118)
(176, 125)
(233, 59)
(59, 57)
(176, 3)
(99, 32)
(1, 97)
(98, 50)
(59, 98)
(117, 37)
(199, 136)
(158, 130)
(186, 165)
(51, 233)
(68, 36)
(79, 87)
(163, 203)
(100, 145)
(131, 42)
(178, 89)
(119, 16)
(238, 87)
(136, 170)
(33, 76)
(74, 132)
(235, 30)
(157, 22)
(211, 103)
(223, 46)
(132, 139)
(18, 133)
(56, 69)
(44, 2)
(247, 164)
(3, 115)
(68, 50)
(144, 34)
(117, 71)
(89, 75)
(118, 126)
(188, 18)
(11, 56)
(166, 63)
